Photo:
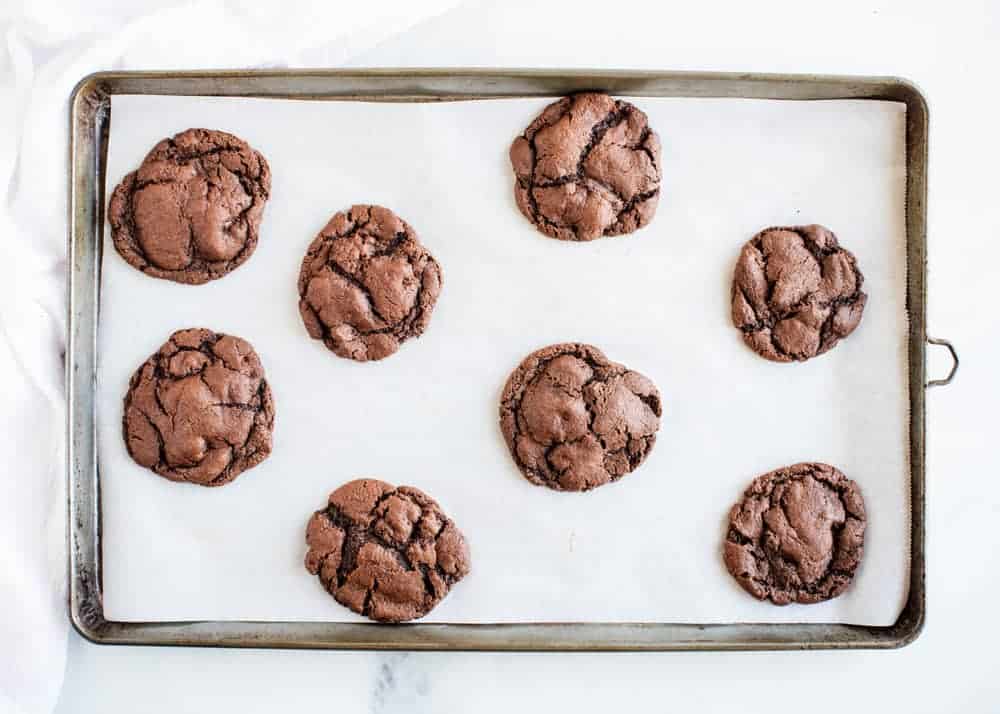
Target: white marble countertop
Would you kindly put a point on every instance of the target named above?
(951, 51)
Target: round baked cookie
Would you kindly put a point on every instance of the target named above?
(588, 166)
(797, 535)
(191, 212)
(574, 420)
(796, 293)
(367, 284)
(199, 410)
(388, 553)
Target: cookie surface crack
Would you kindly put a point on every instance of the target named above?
(796, 293)
(391, 284)
(191, 212)
(797, 535)
(588, 166)
(396, 553)
(573, 420)
(185, 427)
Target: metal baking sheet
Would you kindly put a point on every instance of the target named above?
(90, 114)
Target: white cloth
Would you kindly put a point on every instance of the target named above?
(47, 48)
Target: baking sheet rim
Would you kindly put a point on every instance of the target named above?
(90, 105)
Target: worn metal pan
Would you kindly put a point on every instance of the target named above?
(90, 116)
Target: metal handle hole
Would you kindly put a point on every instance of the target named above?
(954, 362)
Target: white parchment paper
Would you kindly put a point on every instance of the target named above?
(647, 548)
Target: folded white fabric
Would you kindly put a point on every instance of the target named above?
(47, 48)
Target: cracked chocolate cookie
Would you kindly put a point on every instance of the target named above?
(388, 553)
(574, 420)
(797, 535)
(587, 167)
(367, 284)
(200, 409)
(796, 293)
(191, 212)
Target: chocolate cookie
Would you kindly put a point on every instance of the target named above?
(588, 166)
(796, 293)
(199, 410)
(367, 284)
(797, 535)
(191, 212)
(574, 420)
(387, 553)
